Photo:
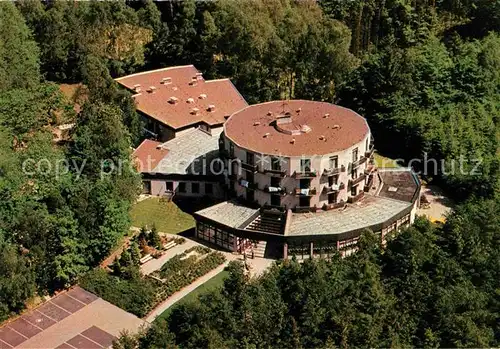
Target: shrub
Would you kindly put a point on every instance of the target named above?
(135, 295)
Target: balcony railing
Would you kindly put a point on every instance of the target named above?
(333, 171)
(328, 189)
(370, 150)
(249, 167)
(250, 185)
(274, 190)
(305, 191)
(281, 173)
(369, 169)
(328, 207)
(355, 181)
(305, 174)
(304, 209)
(356, 164)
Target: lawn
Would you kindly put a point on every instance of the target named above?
(167, 217)
(210, 285)
(384, 162)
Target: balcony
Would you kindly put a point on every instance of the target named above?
(333, 171)
(355, 181)
(356, 164)
(329, 189)
(369, 169)
(250, 185)
(370, 150)
(353, 199)
(328, 207)
(275, 172)
(249, 167)
(305, 191)
(305, 174)
(304, 209)
(275, 190)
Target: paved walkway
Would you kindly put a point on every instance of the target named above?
(156, 264)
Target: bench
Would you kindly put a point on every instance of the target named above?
(169, 245)
(145, 259)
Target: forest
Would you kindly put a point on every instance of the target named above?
(425, 74)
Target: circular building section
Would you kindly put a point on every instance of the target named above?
(296, 128)
(299, 155)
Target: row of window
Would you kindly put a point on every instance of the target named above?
(182, 187)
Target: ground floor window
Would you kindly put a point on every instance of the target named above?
(209, 188)
(169, 186)
(182, 187)
(195, 188)
(275, 200)
(332, 198)
(304, 201)
(354, 190)
(215, 235)
(146, 187)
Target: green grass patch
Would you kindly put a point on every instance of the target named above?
(384, 162)
(211, 285)
(167, 217)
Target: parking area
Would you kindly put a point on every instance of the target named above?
(75, 319)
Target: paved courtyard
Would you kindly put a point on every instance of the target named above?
(440, 205)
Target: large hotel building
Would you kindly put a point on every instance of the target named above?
(292, 177)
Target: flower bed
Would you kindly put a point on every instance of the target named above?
(180, 271)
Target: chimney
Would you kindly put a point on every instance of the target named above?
(269, 113)
(195, 111)
(267, 134)
(166, 81)
(211, 108)
(199, 76)
(137, 87)
(190, 100)
(151, 89)
(202, 96)
(326, 115)
(292, 141)
(256, 123)
(173, 100)
(194, 81)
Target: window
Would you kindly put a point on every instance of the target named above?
(333, 180)
(195, 188)
(305, 165)
(250, 195)
(250, 158)
(209, 188)
(304, 183)
(354, 190)
(275, 164)
(182, 187)
(275, 182)
(275, 200)
(367, 144)
(231, 149)
(304, 201)
(169, 186)
(355, 155)
(146, 187)
(250, 177)
(354, 173)
(334, 162)
(332, 198)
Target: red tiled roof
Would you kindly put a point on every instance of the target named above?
(326, 128)
(220, 93)
(148, 155)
